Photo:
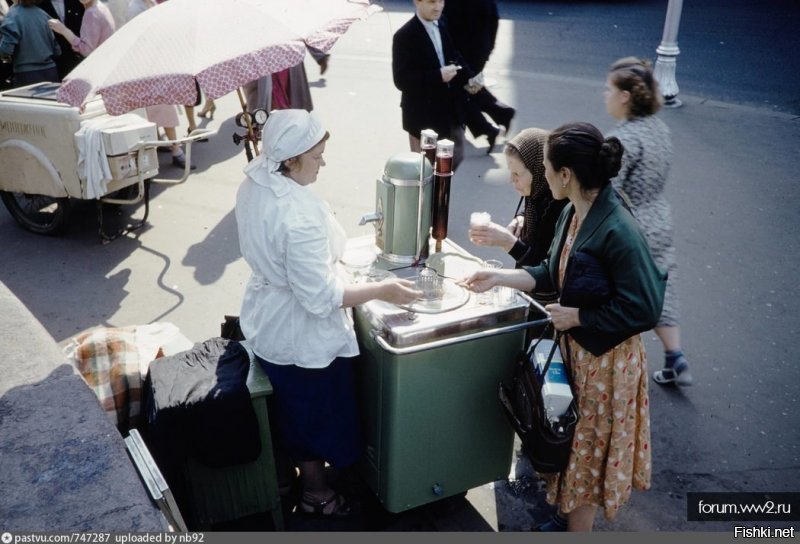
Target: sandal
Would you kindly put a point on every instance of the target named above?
(343, 508)
(677, 375)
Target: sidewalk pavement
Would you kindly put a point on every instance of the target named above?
(515, 504)
(59, 454)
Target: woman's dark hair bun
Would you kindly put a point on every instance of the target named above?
(609, 159)
(582, 148)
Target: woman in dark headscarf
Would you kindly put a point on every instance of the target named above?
(527, 237)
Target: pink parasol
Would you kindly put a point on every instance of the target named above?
(163, 55)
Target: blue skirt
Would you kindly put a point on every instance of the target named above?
(316, 411)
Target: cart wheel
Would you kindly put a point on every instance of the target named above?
(37, 213)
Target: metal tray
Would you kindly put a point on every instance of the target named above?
(454, 296)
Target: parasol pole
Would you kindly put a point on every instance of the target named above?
(250, 134)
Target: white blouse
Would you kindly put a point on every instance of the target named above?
(292, 309)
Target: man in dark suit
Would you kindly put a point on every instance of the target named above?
(69, 12)
(473, 26)
(431, 75)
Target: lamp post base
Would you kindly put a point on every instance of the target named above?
(668, 52)
(664, 72)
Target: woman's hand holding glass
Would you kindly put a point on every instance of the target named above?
(482, 280)
(492, 234)
(486, 278)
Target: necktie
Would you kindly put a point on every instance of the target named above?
(436, 37)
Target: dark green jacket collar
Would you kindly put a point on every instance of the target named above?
(603, 206)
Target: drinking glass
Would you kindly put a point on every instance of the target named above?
(488, 296)
(506, 296)
(430, 283)
(479, 219)
(444, 157)
(427, 142)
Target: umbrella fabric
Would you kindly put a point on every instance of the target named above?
(169, 51)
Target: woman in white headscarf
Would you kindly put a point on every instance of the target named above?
(294, 309)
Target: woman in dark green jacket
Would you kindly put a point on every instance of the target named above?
(611, 450)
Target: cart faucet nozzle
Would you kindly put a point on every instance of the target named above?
(374, 217)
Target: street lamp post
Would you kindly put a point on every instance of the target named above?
(668, 52)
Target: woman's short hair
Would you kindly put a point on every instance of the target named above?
(582, 148)
(284, 168)
(635, 75)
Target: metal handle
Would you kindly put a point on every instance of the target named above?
(139, 182)
(197, 134)
(456, 340)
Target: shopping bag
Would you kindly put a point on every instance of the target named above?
(546, 441)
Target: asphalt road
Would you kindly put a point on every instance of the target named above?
(733, 188)
(732, 50)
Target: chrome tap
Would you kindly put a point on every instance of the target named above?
(374, 217)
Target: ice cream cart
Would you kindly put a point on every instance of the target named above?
(51, 152)
(429, 372)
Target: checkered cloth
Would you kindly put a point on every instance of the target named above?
(114, 363)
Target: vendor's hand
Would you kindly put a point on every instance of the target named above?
(397, 291)
(56, 26)
(481, 281)
(449, 72)
(564, 317)
(492, 234)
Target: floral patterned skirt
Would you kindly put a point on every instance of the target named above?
(611, 450)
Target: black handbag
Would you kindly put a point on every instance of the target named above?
(586, 283)
(547, 443)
